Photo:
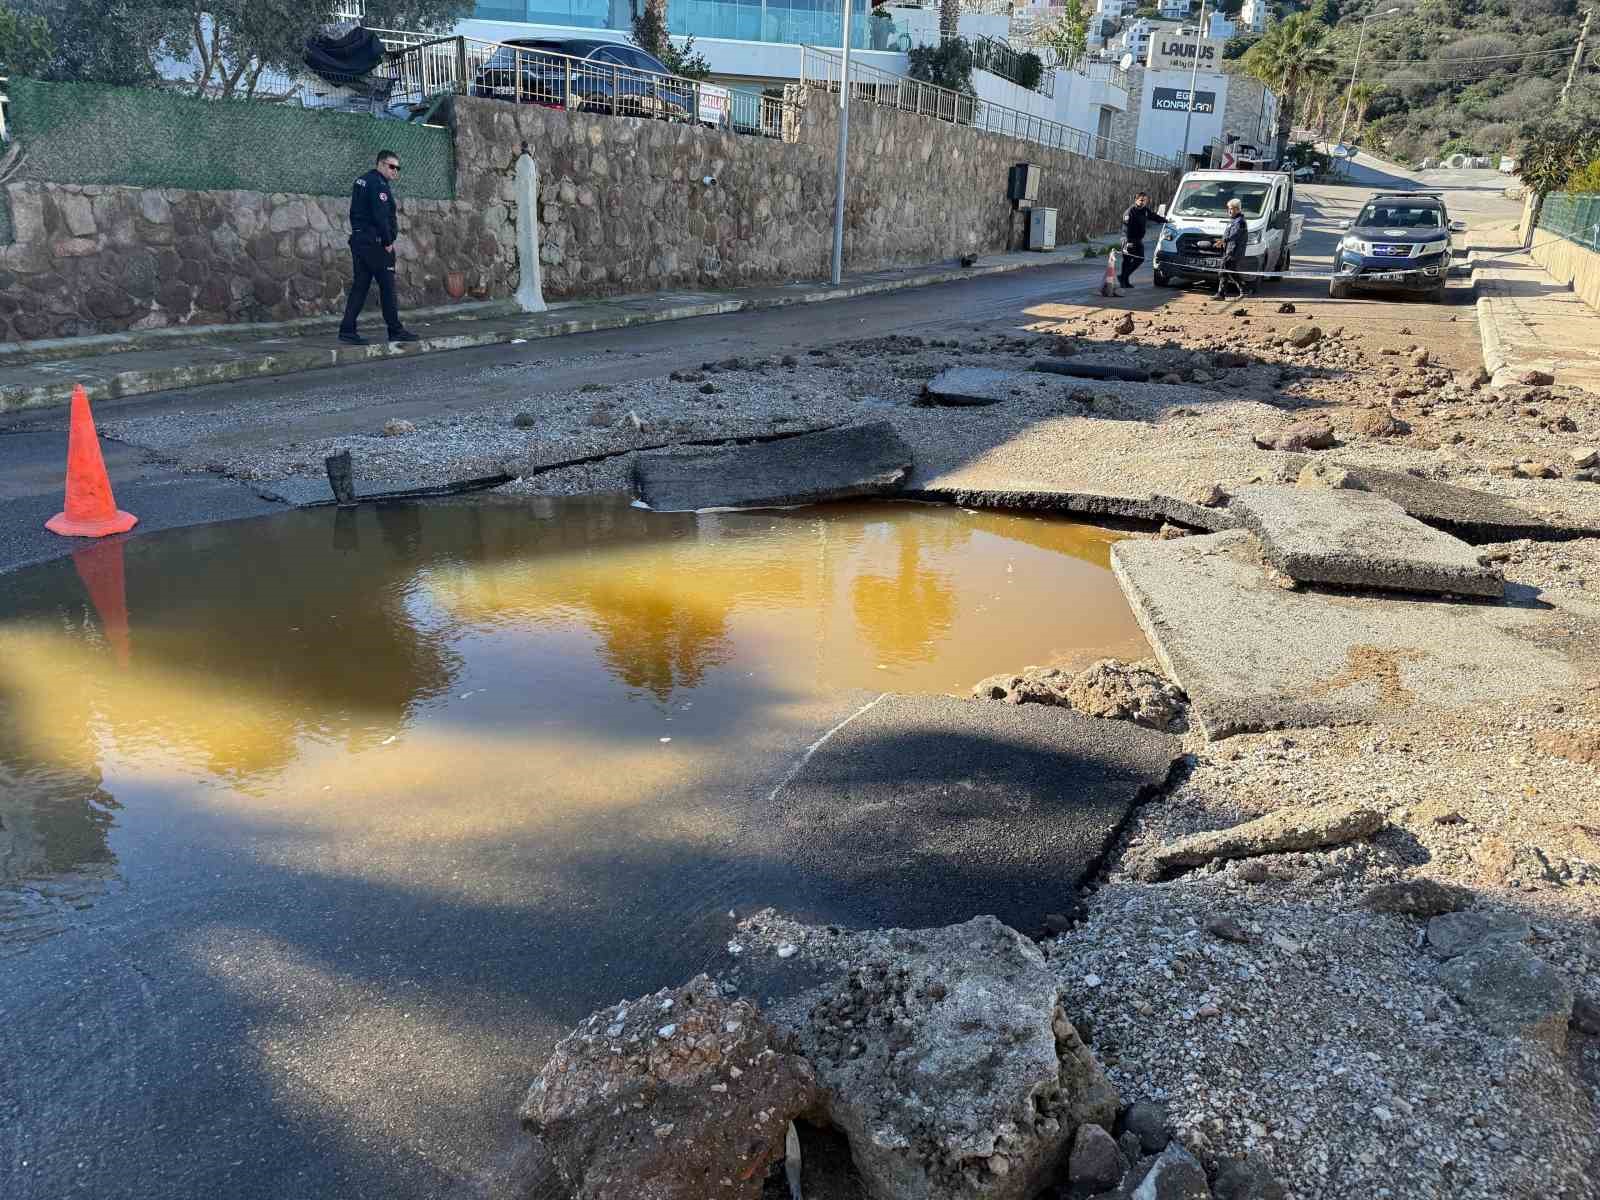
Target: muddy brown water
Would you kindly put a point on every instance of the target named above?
(369, 805)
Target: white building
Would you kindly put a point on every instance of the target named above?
(1253, 16)
(1114, 10)
(1173, 10)
(1218, 26)
(1225, 106)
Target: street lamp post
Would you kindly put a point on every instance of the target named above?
(1356, 67)
(1194, 79)
(844, 144)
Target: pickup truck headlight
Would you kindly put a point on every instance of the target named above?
(1355, 244)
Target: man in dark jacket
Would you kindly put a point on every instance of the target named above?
(1232, 244)
(1134, 223)
(374, 228)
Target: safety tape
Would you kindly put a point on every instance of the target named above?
(1320, 276)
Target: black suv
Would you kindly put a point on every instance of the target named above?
(1400, 241)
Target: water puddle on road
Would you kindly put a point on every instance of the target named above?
(453, 697)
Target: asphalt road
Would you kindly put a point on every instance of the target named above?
(249, 1024)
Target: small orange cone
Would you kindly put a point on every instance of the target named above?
(100, 568)
(1108, 285)
(91, 511)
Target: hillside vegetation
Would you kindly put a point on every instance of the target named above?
(1440, 76)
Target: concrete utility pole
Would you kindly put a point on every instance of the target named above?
(1194, 79)
(844, 143)
(1356, 67)
(1577, 56)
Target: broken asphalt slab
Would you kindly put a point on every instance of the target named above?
(1090, 368)
(838, 464)
(1308, 827)
(311, 492)
(927, 810)
(1471, 515)
(1356, 539)
(1253, 656)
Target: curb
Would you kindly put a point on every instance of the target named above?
(262, 365)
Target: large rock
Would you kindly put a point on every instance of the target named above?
(1355, 539)
(969, 387)
(836, 464)
(1096, 1164)
(1417, 897)
(1296, 828)
(1109, 689)
(676, 1096)
(1510, 989)
(1455, 933)
(1175, 1175)
(948, 1061)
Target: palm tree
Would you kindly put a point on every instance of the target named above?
(949, 19)
(1290, 57)
(1362, 96)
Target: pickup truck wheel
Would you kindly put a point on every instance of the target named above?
(1338, 291)
(1162, 279)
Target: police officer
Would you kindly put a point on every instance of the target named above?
(374, 227)
(1134, 223)
(1232, 244)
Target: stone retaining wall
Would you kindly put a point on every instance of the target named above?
(624, 207)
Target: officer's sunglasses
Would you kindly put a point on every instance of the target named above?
(393, 166)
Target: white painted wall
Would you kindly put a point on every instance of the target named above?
(1161, 130)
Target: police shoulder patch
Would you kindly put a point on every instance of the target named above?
(383, 195)
(361, 182)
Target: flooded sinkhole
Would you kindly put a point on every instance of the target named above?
(500, 703)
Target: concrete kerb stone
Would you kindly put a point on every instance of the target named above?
(612, 313)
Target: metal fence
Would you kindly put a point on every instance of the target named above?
(1574, 216)
(1000, 59)
(820, 68)
(424, 68)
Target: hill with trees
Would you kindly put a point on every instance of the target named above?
(1436, 77)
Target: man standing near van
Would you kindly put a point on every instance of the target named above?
(1134, 223)
(374, 228)
(1232, 244)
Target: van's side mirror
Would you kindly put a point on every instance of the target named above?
(1458, 226)
(1346, 224)
(1161, 210)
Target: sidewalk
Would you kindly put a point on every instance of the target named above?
(1528, 321)
(39, 374)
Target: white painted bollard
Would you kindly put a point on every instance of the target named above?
(530, 288)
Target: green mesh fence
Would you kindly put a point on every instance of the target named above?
(147, 137)
(1575, 216)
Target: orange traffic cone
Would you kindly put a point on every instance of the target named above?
(1108, 285)
(91, 511)
(100, 568)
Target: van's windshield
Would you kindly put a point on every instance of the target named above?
(1209, 197)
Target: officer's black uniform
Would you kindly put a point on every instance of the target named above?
(374, 224)
(1233, 246)
(1134, 223)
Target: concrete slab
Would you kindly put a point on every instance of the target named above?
(1357, 539)
(1253, 656)
(863, 460)
(1471, 515)
(954, 808)
(969, 387)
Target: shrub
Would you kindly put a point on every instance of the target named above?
(1586, 179)
(948, 65)
(1030, 70)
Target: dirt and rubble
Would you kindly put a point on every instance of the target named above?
(1278, 1012)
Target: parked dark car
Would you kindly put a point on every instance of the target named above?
(584, 73)
(1400, 242)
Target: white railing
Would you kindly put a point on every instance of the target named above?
(424, 68)
(822, 68)
(5, 104)
(1103, 72)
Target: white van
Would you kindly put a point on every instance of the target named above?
(1198, 216)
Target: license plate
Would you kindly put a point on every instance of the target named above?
(1205, 262)
(1387, 275)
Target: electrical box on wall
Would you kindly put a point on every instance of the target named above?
(1023, 188)
(1042, 229)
